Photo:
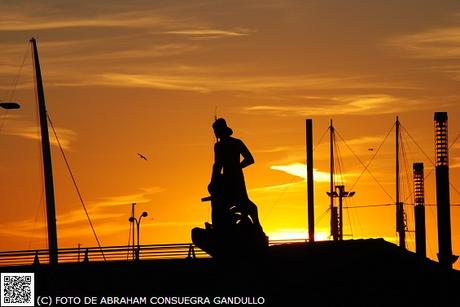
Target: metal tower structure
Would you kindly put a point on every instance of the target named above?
(442, 190)
(419, 210)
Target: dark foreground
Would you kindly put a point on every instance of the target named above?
(349, 273)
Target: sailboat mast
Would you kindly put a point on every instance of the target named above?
(400, 225)
(47, 166)
(334, 216)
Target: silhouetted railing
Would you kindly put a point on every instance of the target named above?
(110, 253)
(95, 254)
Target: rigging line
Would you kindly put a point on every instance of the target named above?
(406, 188)
(416, 144)
(129, 241)
(16, 80)
(455, 141)
(339, 161)
(369, 206)
(432, 162)
(76, 187)
(349, 220)
(366, 167)
(341, 174)
(434, 205)
(453, 187)
(321, 139)
(385, 205)
(409, 185)
(429, 159)
(40, 208)
(3, 119)
(279, 197)
(318, 219)
(424, 178)
(13, 90)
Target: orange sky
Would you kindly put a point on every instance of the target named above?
(141, 76)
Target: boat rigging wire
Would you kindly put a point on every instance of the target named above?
(293, 177)
(11, 93)
(16, 80)
(429, 159)
(76, 186)
(366, 166)
(340, 171)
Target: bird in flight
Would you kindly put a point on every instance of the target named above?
(142, 156)
(370, 149)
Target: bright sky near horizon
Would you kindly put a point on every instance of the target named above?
(123, 77)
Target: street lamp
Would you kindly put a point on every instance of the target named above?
(138, 223)
(9, 105)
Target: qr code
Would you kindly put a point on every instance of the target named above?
(17, 289)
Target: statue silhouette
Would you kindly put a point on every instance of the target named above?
(228, 170)
(235, 221)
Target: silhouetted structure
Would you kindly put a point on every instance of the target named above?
(235, 223)
(344, 273)
(400, 220)
(442, 190)
(341, 194)
(334, 214)
(47, 165)
(419, 210)
(9, 105)
(310, 182)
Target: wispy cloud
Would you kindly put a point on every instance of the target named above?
(438, 43)
(66, 136)
(11, 20)
(277, 187)
(208, 33)
(161, 82)
(209, 79)
(300, 170)
(341, 105)
(103, 213)
(365, 140)
(144, 196)
(276, 149)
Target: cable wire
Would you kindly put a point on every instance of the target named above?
(76, 187)
(366, 167)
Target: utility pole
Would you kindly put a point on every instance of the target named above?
(131, 220)
(310, 189)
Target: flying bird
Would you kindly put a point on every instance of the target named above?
(370, 149)
(142, 156)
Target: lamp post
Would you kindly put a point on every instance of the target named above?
(138, 223)
(9, 105)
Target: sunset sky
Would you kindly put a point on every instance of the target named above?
(123, 77)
